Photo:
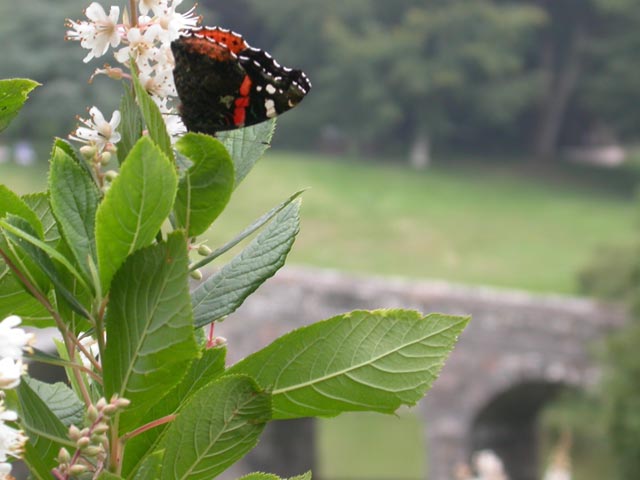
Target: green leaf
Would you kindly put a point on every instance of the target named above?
(134, 208)
(202, 372)
(150, 339)
(12, 204)
(66, 147)
(250, 230)
(151, 467)
(220, 424)
(60, 399)
(13, 95)
(205, 189)
(359, 361)
(130, 124)
(47, 434)
(270, 476)
(247, 145)
(15, 300)
(224, 291)
(152, 117)
(74, 200)
(109, 476)
(39, 204)
(20, 234)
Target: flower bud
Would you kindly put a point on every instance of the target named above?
(92, 451)
(111, 175)
(64, 457)
(83, 443)
(92, 413)
(77, 469)
(196, 275)
(88, 151)
(203, 250)
(105, 158)
(74, 433)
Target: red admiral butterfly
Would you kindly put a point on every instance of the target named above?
(225, 84)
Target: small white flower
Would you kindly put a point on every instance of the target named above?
(10, 372)
(141, 45)
(145, 5)
(173, 23)
(13, 341)
(91, 345)
(158, 81)
(98, 131)
(12, 440)
(99, 33)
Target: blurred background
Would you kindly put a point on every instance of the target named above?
(480, 142)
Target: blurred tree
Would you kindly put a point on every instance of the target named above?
(32, 38)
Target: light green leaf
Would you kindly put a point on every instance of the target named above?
(247, 145)
(130, 124)
(13, 95)
(39, 204)
(109, 476)
(247, 232)
(205, 189)
(199, 445)
(60, 399)
(359, 361)
(152, 117)
(224, 291)
(74, 200)
(150, 338)
(202, 371)
(134, 208)
(47, 434)
(12, 204)
(15, 300)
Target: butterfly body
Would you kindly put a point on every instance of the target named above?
(224, 84)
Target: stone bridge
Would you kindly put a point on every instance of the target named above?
(517, 353)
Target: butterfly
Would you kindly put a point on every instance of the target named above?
(224, 84)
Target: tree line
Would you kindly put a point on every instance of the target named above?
(526, 76)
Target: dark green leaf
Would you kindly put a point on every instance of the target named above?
(47, 434)
(39, 204)
(270, 476)
(10, 203)
(60, 399)
(152, 117)
(220, 424)
(109, 476)
(224, 291)
(359, 361)
(150, 469)
(247, 145)
(15, 300)
(13, 95)
(202, 371)
(247, 232)
(150, 339)
(130, 124)
(134, 208)
(205, 189)
(74, 200)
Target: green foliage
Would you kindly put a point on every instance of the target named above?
(13, 95)
(106, 258)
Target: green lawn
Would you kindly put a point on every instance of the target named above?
(479, 226)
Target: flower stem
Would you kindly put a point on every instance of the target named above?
(133, 8)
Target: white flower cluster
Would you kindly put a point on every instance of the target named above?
(147, 42)
(13, 342)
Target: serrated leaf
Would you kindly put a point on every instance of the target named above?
(19, 232)
(247, 232)
(60, 399)
(152, 117)
(134, 208)
(202, 372)
(224, 291)
(150, 339)
(200, 446)
(13, 95)
(247, 145)
(15, 300)
(205, 189)
(74, 200)
(47, 434)
(130, 124)
(66, 147)
(12, 204)
(39, 204)
(359, 361)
